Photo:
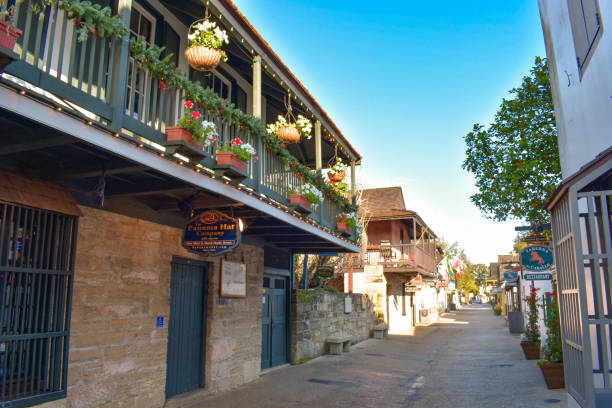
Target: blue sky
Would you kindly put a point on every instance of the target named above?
(405, 81)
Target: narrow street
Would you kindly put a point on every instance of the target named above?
(467, 359)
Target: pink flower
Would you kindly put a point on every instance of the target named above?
(255, 159)
(195, 114)
(188, 104)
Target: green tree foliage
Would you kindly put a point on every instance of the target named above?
(516, 160)
(467, 283)
(480, 272)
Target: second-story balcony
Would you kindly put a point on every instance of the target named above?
(402, 258)
(100, 82)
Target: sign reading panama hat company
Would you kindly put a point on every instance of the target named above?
(211, 233)
(537, 258)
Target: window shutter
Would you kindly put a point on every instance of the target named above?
(581, 41)
(591, 18)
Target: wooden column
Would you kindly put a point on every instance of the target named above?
(257, 86)
(318, 154)
(121, 60)
(353, 177)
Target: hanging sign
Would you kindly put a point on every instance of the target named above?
(325, 271)
(537, 258)
(510, 276)
(211, 233)
(537, 276)
(535, 238)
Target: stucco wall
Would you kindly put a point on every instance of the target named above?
(319, 314)
(582, 101)
(121, 284)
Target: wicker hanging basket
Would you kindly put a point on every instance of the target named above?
(202, 58)
(336, 177)
(289, 134)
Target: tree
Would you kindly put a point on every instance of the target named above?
(480, 272)
(516, 160)
(467, 283)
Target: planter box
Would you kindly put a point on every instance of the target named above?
(531, 349)
(231, 166)
(8, 35)
(553, 375)
(178, 140)
(300, 203)
(343, 228)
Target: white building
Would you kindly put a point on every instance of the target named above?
(579, 49)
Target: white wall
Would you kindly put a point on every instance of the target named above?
(583, 109)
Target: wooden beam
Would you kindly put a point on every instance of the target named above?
(257, 86)
(36, 145)
(318, 154)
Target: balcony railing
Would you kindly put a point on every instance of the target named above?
(400, 256)
(99, 79)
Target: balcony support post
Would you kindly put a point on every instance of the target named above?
(121, 60)
(318, 155)
(257, 167)
(353, 189)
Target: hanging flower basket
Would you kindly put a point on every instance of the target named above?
(205, 41)
(337, 172)
(289, 134)
(202, 58)
(8, 35)
(336, 177)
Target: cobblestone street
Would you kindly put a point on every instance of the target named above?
(467, 359)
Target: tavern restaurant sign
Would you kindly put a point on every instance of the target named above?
(211, 233)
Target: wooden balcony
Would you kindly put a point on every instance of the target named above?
(401, 258)
(99, 81)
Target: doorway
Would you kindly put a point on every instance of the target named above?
(275, 318)
(187, 326)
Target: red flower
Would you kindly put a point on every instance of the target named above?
(195, 114)
(188, 104)
(213, 140)
(256, 159)
(96, 32)
(292, 164)
(237, 141)
(190, 121)
(299, 175)
(220, 108)
(162, 85)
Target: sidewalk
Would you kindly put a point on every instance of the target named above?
(467, 359)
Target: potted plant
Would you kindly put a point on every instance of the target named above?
(206, 40)
(552, 365)
(304, 196)
(235, 154)
(531, 344)
(288, 131)
(337, 172)
(190, 135)
(8, 32)
(346, 222)
(497, 310)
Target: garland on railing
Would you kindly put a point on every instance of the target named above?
(90, 18)
(165, 71)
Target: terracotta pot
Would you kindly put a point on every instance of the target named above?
(343, 227)
(8, 35)
(174, 133)
(230, 159)
(553, 375)
(336, 177)
(288, 134)
(202, 58)
(531, 349)
(299, 199)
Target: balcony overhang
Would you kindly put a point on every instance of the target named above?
(59, 147)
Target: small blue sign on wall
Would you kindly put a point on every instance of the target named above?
(537, 258)
(510, 276)
(160, 321)
(211, 233)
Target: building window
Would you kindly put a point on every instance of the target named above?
(141, 24)
(36, 273)
(586, 25)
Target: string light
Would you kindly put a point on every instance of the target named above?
(89, 122)
(23, 92)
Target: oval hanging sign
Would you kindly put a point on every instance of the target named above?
(325, 271)
(537, 258)
(211, 233)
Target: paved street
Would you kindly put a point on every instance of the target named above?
(468, 359)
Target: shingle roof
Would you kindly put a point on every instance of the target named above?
(377, 201)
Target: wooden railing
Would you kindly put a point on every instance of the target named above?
(100, 79)
(401, 255)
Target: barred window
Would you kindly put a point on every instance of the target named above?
(36, 273)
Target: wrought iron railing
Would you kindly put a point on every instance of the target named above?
(98, 78)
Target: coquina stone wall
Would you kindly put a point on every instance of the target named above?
(121, 284)
(318, 314)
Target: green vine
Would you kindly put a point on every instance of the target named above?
(89, 17)
(165, 71)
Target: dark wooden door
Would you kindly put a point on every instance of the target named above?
(187, 326)
(274, 321)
